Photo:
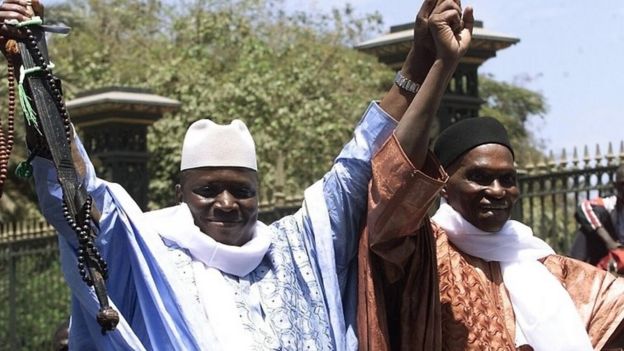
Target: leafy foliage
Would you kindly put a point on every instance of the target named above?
(291, 77)
(296, 84)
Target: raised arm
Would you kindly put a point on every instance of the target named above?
(397, 279)
(415, 178)
(346, 185)
(416, 65)
(452, 34)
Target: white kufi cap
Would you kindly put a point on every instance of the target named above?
(207, 144)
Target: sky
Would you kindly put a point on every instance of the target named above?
(570, 51)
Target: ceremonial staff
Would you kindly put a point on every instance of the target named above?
(50, 135)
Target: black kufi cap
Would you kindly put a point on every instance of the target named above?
(467, 134)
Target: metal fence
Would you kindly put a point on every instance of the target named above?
(34, 298)
(551, 189)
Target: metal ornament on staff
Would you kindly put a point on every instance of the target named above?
(41, 98)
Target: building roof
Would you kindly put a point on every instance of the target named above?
(484, 43)
(119, 105)
(122, 96)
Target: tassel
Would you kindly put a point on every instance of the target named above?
(29, 112)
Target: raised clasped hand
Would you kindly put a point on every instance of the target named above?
(17, 11)
(451, 31)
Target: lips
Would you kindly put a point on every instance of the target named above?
(225, 220)
(495, 207)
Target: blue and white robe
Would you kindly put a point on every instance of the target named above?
(304, 289)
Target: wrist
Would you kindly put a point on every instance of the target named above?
(417, 65)
(446, 64)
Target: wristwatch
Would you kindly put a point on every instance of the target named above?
(405, 83)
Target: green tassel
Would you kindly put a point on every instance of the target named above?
(24, 170)
(29, 112)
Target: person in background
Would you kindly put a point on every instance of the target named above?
(601, 224)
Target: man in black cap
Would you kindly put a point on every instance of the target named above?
(478, 279)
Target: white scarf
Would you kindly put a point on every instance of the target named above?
(176, 224)
(211, 260)
(546, 316)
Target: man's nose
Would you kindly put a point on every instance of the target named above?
(496, 190)
(225, 201)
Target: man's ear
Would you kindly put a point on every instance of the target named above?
(178, 193)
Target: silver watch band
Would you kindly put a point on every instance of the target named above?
(405, 83)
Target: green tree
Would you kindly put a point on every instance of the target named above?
(513, 105)
(292, 78)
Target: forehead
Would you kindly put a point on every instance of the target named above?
(220, 175)
(489, 157)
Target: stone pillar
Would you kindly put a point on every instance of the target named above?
(112, 123)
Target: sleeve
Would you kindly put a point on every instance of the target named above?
(589, 213)
(332, 214)
(345, 185)
(399, 199)
(138, 285)
(397, 270)
(598, 296)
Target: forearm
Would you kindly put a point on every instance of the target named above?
(413, 130)
(415, 68)
(606, 237)
(398, 188)
(344, 188)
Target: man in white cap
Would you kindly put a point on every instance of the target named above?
(205, 274)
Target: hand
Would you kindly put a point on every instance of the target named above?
(451, 31)
(19, 10)
(422, 53)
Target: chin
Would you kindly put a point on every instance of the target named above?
(491, 226)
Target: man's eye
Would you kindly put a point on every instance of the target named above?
(208, 191)
(479, 177)
(508, 180)
(243, 193)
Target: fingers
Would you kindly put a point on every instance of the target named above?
(13, 10)
(10, 11)
(457, 22)
(466, 33)
(447, 5)
(427, 7)
(448, 18)
(38, 8)
(450, 12)
(468, 19)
